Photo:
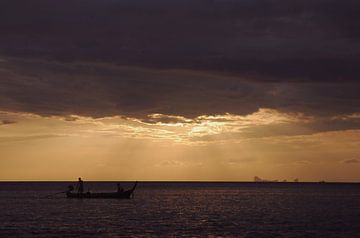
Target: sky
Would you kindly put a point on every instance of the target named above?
(205, 90)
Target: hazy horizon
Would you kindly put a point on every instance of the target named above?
(178, 181)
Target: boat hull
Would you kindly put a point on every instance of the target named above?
(115, 195)
(124, 195)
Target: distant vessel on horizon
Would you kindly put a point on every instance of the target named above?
(260, 180)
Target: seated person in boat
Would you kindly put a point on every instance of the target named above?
(70, 189)
(119, 188)
(80, 186)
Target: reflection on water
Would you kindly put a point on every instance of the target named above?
(184, 209)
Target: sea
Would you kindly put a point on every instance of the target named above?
(183, 209)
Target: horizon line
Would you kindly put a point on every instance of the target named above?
(178, 181)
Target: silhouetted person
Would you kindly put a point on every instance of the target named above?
(80, 186)
(119, 188)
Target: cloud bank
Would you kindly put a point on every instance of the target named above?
(180, 58)
(99, 90)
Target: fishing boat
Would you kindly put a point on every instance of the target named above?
(117, 195)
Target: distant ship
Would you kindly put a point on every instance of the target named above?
(260, 180)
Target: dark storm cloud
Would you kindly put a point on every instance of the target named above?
(179, 57)
(266, 39)
(98, 89)
(49, 88)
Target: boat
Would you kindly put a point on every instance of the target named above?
(127, 194)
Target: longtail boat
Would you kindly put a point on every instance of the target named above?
(117, 195)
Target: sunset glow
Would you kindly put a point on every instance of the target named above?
(161, 147)
(179, 90)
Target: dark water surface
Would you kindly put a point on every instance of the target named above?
(183, 209)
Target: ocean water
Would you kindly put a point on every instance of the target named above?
(183, 210)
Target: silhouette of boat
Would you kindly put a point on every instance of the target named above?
(118, 195)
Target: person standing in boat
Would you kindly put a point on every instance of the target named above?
(80, 186)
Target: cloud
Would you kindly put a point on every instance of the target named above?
(7, 122)
(8, 118)
(103, 89)
(173, 61)
(166, 119)
(16, 139)
(292, 40)
(350, 117)
(351, 161)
